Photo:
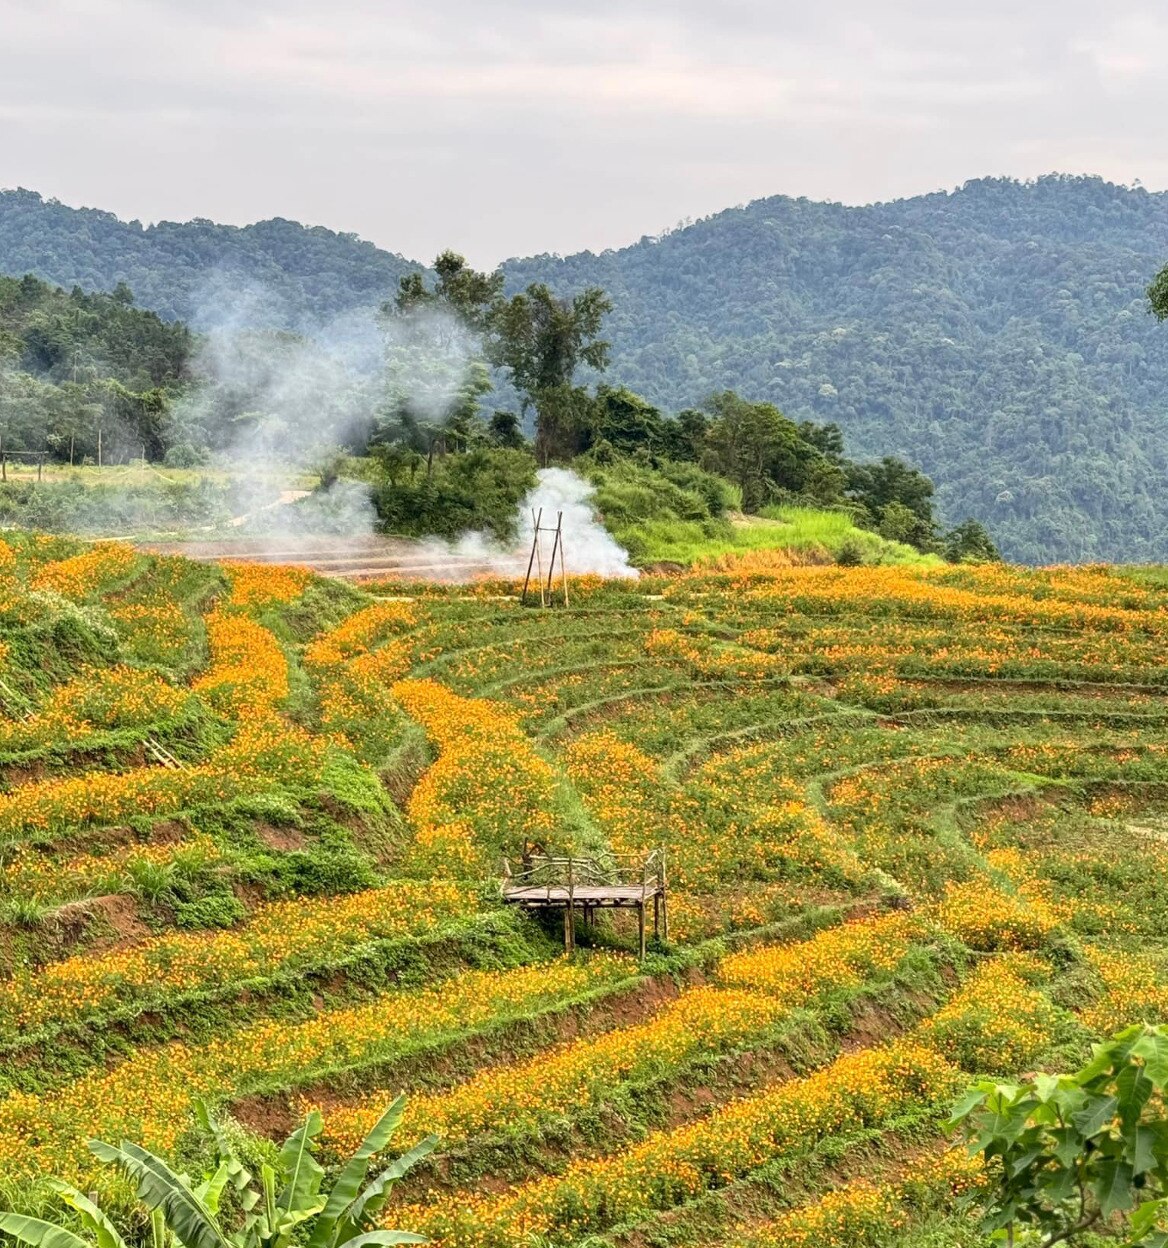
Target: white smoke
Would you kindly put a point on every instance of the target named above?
(589, 547)
(300, 400)
(558, 495)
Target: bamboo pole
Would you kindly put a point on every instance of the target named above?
(534, 539)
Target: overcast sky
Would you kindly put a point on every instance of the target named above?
(531, 125)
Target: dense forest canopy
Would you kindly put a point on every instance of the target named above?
(75, 366)
(997, 336)
(86, 375)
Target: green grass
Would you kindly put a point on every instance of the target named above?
(815, 536)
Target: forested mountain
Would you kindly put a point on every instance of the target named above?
(997, 336)
(299, 277)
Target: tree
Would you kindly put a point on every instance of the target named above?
(1158, 294)
(684, 437)
(970, 542)
(899, 523)
(288, 1201)
(458, 287)
(505, 430)
(625, 420)
(435, 362)
(1069, 1154)
(542, 340)
(754, 445)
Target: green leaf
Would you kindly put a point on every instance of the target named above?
(1152, 1046)
(1113, 1186)
(372, 1200)
(1144, 1218)
(1045, 1086)
(210, 1192)
(1095, 1114)
(160, 1188)
(349, 1181)
(1143, 1149)
(300, 1170)
(38, 1233)
(1134, 1090)
(973, 1098)
(95, 1220)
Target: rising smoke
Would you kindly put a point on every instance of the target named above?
(279, 406)
(588, 546)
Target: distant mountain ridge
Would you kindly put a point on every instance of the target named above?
(996, 335)
(302, 275)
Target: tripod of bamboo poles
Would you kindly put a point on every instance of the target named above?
(546, 590)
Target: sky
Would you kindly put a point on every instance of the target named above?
(511, 127)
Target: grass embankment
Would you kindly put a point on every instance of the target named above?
(805, 534)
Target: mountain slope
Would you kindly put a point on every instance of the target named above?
(298, 277)
(997, 336)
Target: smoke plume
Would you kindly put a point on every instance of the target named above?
(588, 547)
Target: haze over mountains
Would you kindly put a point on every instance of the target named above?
(997, 336)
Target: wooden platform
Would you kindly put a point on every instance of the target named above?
(608, 895)
(583, 885)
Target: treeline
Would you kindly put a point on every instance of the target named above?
(280, 274)
(463, 470)
(997, 337)
(83, 374)
(93, 378)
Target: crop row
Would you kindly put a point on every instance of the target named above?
(702, 1021)
(84, 574)
(248, 675)
(100, 699)
(277, 938)
(263, 755)
(488, 793)
(869, 1089)
(40, 877)
(866, 1215)
(149, 1097)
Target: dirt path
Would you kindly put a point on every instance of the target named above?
(357, 558)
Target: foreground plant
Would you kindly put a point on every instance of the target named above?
(287, 1200)
(1079, 1153)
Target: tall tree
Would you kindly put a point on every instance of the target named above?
(435, 362)
(542, 340)
(1158, 294)
(756, 447)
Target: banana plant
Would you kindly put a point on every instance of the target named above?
(287, 1195)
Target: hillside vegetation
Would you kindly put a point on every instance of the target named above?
(249, 822)
(73, 364)
(274, 275)
(998, 337)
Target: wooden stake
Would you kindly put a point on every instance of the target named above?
(555, 547)
(539, 560)
(534, 539)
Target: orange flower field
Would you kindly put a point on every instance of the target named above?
(254, 828)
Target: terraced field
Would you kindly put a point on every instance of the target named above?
(251, 820)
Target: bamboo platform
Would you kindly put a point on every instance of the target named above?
(582, 884)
